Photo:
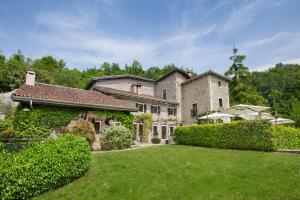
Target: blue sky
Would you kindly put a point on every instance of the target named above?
(197, 34)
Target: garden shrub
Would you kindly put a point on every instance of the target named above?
(40, 121)
(116, 137)
(155, 140)
(44, 166)
(83, 128)
(251, 135)
(286, 137)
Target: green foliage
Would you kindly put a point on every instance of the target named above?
(5, 124)
(84, 129)
(40, 121)
(155, 140)
(281, 86)
(44, 166)
(124, 117)
(248, 135)
(146, 119)
(116, 137)
(53, 71)
(240, 89)
(286, 137)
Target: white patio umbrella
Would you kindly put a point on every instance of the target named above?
(242, 109)
(282, 121)
(215, 115)
(256, 115)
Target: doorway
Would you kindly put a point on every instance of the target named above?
(163, 132)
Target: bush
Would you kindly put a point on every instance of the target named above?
(116, 137)
(40, 121)
(286, 137)
(248, 135)
(5, 125)
(44, 166)
(155, 140)
(84, 129)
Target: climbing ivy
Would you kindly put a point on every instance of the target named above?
(146, 119)
(40, 121)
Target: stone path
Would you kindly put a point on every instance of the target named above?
(297, 151)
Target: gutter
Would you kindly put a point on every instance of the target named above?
(71, 104)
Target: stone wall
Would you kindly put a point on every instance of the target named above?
(125, 84)
(196, 91)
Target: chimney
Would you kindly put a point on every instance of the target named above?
(189, 72)
(30, 78)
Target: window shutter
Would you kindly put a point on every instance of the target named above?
(158, 110)
(175, 112)
(145, 108)
(137, 105)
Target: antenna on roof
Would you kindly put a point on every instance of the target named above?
(235, 50)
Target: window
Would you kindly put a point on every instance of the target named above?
(135, 88)
(141, 107)
(97, 126)
(171, 129)
(154, 130)
(155, 109)
(164, 94)
(194, 111)
(163, 132)
(220, 102)
(219, 83)
(172, 111)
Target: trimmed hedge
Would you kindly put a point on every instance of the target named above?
(286, 137)
(247, 135)
(44, 166)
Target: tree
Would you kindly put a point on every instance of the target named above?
(135, 68)
(240, 89)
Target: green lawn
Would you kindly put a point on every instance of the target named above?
(181, 172)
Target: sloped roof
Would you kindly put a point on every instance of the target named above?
(123, 93)
(118, 77)
(66, 96)
(209, 72)
(181, 71)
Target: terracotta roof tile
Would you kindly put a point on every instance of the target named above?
(69, 95)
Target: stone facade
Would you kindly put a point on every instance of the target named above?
(182, 92)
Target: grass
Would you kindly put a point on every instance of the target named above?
(181, 172)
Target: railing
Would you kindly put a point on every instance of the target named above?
(17, 144)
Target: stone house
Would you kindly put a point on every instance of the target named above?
(174, 99)
(87, 102)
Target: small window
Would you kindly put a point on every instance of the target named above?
(172, 111)
(154, 130)
(219, 83)
(141, 107)
(220, 102)
(164, 94)
(155, 109)
(194, 111)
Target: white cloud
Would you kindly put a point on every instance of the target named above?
(79, 39)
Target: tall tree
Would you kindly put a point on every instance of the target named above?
(135, 68)
(240, 89)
